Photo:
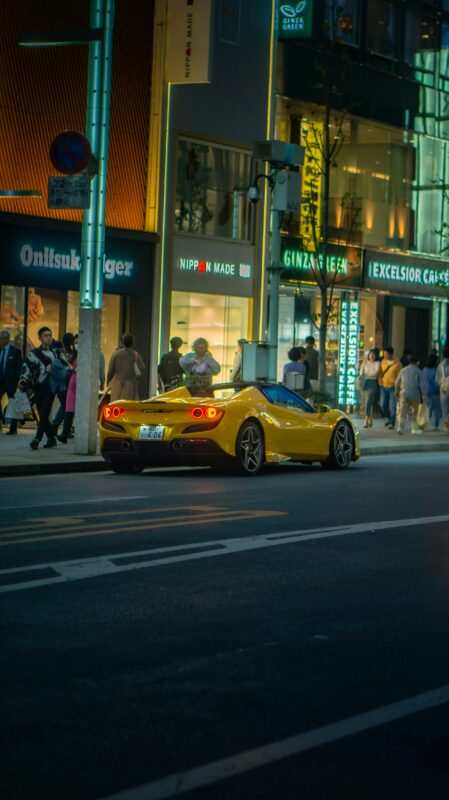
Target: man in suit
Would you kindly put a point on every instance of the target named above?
(10, 366)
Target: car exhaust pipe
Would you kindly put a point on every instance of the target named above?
(176, 445)
(125, 446)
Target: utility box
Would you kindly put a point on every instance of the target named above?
(287, 192)
(255, 361)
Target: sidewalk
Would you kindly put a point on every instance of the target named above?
(16, 458)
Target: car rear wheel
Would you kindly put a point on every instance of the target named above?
(249, 449)
(126, 469)
(341, 451)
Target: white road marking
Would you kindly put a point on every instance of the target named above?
(81, 569)
(76, 502)
(177, 784)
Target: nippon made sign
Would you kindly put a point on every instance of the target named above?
(212, 267)
(348, 352)
(402, 274)
(299, 263)
(295, 20)
(189, 41)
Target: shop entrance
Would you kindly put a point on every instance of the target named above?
(417, 332)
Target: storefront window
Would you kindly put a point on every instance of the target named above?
(220, 319)
(12, 313)
(381, 25)
(211, 191)
(44, 308)
(421, 45)
(111, 317)
(342, 21)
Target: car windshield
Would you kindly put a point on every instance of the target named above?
(281, 396)
(278, 394)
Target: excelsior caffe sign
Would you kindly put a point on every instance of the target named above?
(399, 274)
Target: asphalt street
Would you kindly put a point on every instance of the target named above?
(180, 633)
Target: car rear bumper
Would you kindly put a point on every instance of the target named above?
(180, 452)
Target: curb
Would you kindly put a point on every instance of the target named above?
(67, 467)
(406, 448)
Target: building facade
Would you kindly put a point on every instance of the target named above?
(376, 75)
(42, 93)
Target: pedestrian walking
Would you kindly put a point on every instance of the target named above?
(312, 360)
(411, 389)
(200, 366)
(68, 346)
(10, 366)
(390, 368)
(368, 383)
(169, 371)
(433, 391)
(236, 371)
(125, 368)
(70, 402)
(42, 372)
(405, 358)
(442, 381)
(297, 366)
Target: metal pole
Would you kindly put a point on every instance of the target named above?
(275, 270)
(93, 231)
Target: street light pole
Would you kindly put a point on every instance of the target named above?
(93, 229)
(275, 270)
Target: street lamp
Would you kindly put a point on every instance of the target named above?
(285, 196)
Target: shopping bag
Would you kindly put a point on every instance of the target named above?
(422, 417)
(22, 404)
(11, 410)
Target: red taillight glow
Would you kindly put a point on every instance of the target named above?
(112, 412)
(205, 411)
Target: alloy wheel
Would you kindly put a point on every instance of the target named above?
(250, 448)
(343, 445)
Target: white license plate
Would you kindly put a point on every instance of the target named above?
(151, 432)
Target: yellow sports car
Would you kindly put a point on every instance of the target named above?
(237, 427)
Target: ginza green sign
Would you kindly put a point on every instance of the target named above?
(296, 20)
(304, 261)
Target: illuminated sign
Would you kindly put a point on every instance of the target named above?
(295, 21)
(406, 274)
(343, 264)
(348, 352)
(216, 267)
(202, 265)
(50, 258)
(302, 260)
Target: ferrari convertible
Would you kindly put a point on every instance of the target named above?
(237, 427)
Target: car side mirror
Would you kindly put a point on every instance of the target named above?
(323, 408)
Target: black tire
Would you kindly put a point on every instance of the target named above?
(126, 469)
(341, 449)
(249, 449)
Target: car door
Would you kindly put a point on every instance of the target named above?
(300, 431)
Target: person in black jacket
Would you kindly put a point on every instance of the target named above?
(38, 372)
(169, 371)
(10, 366)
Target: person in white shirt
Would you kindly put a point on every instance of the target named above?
(368, 381)
(411, 389)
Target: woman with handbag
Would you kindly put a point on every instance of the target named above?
(368, 383)
(125, 369)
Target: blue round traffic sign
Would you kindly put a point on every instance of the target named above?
(70, 152)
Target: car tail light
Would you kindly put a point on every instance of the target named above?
(112, 412)
(206, 412)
